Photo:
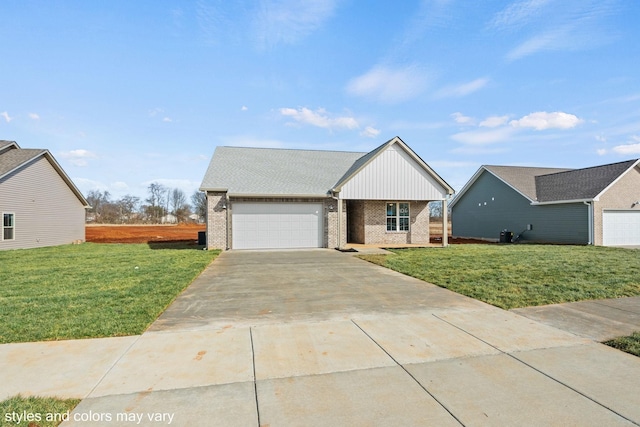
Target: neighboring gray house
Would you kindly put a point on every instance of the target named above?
(598, 205)
(39, 205)
(260, 198)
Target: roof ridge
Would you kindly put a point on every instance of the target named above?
(593, 167)
(294, 149)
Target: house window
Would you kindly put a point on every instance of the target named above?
(397, 216)
(8, 226)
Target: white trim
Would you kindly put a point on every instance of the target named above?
(558, 202)
(617, 179)
(397, 216)
(475, 177)
(13, 226)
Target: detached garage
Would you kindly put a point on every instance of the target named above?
(276, 225)
(266, 198)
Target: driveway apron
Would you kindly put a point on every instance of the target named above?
(319, 337)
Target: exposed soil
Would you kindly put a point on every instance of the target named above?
(143, 233)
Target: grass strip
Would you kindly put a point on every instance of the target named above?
(91, 290)
(511, 276)
(35, 411)
(629, 344)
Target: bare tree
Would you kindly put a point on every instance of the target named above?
(128, 206)
(155, 209)
(179, 206)
(199, 203)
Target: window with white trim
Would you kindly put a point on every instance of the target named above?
(8, 226)
(398, 216)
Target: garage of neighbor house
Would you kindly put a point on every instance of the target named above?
(263, 198)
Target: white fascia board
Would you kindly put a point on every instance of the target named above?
(617, 179)
(279, 196)
(559, 202)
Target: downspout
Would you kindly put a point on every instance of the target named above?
(590, 221)
(445, 224)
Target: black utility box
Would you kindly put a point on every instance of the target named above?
(202, 238)
(506, 236)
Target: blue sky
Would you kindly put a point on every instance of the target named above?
(125, 93)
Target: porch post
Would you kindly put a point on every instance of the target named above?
(339, 222)
(445, 220)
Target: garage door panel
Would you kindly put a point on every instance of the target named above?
(276, 225)
(621, 227)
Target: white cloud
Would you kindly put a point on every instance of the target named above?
(543, 120)
(463, 89)
(287, 21)
(319, 118)
(167, 119)
(461, 119)
(244, 108)
(601, 151)
(389, 85)
(154, 112)
(78, 157)
(484, 137)
(551, 40)
(370, 132)
(6, 116)
(34, 116)
(627, 149)
(494, 121)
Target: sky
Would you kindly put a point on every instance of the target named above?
(126, 93)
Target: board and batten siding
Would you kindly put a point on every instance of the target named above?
(47, 212)
(393, 175)
(491, 206)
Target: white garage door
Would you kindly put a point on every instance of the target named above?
(276, 225)
(620, 228)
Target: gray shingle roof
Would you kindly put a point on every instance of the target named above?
(523, 179)
(579, 184)
(11, 159)
(271, 171)
(556, 185)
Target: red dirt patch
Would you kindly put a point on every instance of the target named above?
(143, 233)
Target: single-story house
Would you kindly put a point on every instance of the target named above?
(39, 204)
(261, 198)
(597, 205)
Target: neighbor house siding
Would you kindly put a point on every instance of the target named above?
(393, 174)
(491, 206)
(47, 212)
(621, 195)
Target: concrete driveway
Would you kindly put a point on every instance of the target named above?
(321, 338)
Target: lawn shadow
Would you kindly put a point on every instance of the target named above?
(176, 244)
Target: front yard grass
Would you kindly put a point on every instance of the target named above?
(629, 344)
(511, 276)
(35, 411)
(91, 290)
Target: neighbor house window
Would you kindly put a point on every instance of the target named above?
(397, 216)
(8, 226)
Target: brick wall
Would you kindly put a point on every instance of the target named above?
(216, 220)
(621, 196)
(375, 224)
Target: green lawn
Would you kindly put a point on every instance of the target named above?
(629, 344)
(35, 411)
(91, 290)
(510, 276)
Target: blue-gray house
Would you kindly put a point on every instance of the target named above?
(598, 205)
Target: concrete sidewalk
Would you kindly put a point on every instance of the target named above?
(323, 338)
(600, 320)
